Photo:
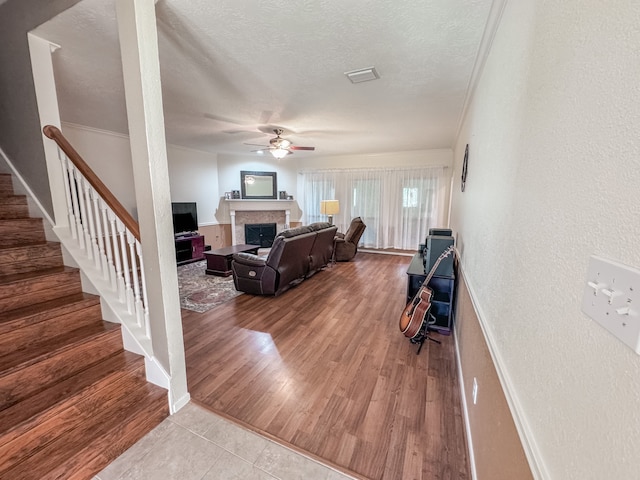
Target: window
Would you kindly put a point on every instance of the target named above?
(397, 205)
(409, 197)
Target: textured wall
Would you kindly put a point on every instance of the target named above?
(109, 156)
(20, 136)
(553, 177)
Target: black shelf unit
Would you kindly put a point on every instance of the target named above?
(189, 249)
(443, 293)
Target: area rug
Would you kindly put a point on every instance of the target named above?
(200, 292)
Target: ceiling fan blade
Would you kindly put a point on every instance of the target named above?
(257, 145)
(294, 147)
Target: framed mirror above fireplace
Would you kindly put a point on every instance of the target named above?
(259, 185)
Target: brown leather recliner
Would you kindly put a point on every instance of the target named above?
(296, 254)
(346, 244)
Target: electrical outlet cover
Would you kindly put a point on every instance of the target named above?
(612, 298)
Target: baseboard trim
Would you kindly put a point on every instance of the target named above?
(529, 445)
(382, 252)
(465, 409)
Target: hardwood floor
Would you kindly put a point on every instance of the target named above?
(325, 369)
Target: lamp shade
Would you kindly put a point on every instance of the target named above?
(329, 207)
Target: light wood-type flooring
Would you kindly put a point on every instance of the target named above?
(323, 368)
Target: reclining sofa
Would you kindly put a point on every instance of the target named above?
(296, 254)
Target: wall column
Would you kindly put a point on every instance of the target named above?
(45, 85)
(141, 69)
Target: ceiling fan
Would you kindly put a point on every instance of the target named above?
(278, 146)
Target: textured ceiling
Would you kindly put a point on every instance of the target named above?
(233, 70)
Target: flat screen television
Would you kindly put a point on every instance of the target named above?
(185, 217)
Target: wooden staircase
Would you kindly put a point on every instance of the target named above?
(71, 398)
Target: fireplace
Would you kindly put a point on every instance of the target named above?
(242, 212)
(261, 234)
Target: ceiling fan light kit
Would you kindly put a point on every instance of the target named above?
(278, 146)
(280, 153)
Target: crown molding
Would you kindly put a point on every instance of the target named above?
(491, 27)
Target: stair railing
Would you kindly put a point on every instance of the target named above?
(107, 236)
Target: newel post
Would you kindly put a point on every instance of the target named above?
(141, 69)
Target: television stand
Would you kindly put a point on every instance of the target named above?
(189, 248)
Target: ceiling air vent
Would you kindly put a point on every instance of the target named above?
(362, 75)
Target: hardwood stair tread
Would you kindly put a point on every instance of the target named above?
(50, 457)
(68, 340)
(28, 258)
(39, 312)
(22, 222)
(29, 337)
(46, 404)
(71, 398)
(13, 200)
(26, 276)
(32, 377)
(18, 290)
(103, 450)
(12, 250)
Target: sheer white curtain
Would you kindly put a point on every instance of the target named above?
(398, 205)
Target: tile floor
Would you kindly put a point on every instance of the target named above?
(195, 444)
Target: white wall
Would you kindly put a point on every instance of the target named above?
(109, 156)
(193, 175)
(443, 156)
(553, 178)
(229, 167)
(194, 178)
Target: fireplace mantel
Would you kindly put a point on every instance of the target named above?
(251, 205)
(259, 205)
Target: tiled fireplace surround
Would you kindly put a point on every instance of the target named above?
(257, 211)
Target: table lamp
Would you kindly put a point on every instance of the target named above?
(330, 208)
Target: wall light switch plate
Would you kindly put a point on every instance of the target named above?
(612, 298)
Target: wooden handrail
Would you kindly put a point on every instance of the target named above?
(56, 135)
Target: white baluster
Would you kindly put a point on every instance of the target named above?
(88, 190)
(101, 256)
(67, 177)
(110, 273)
(125, 266)
(83, 214)
(73, 186)
(116, 253)
(137, 302)
(145, 296)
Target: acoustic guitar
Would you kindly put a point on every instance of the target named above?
(415, 313)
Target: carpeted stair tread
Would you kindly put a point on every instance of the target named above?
(40, 312)
(45, 405)
(52, 346)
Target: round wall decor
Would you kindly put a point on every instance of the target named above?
(463, 178)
